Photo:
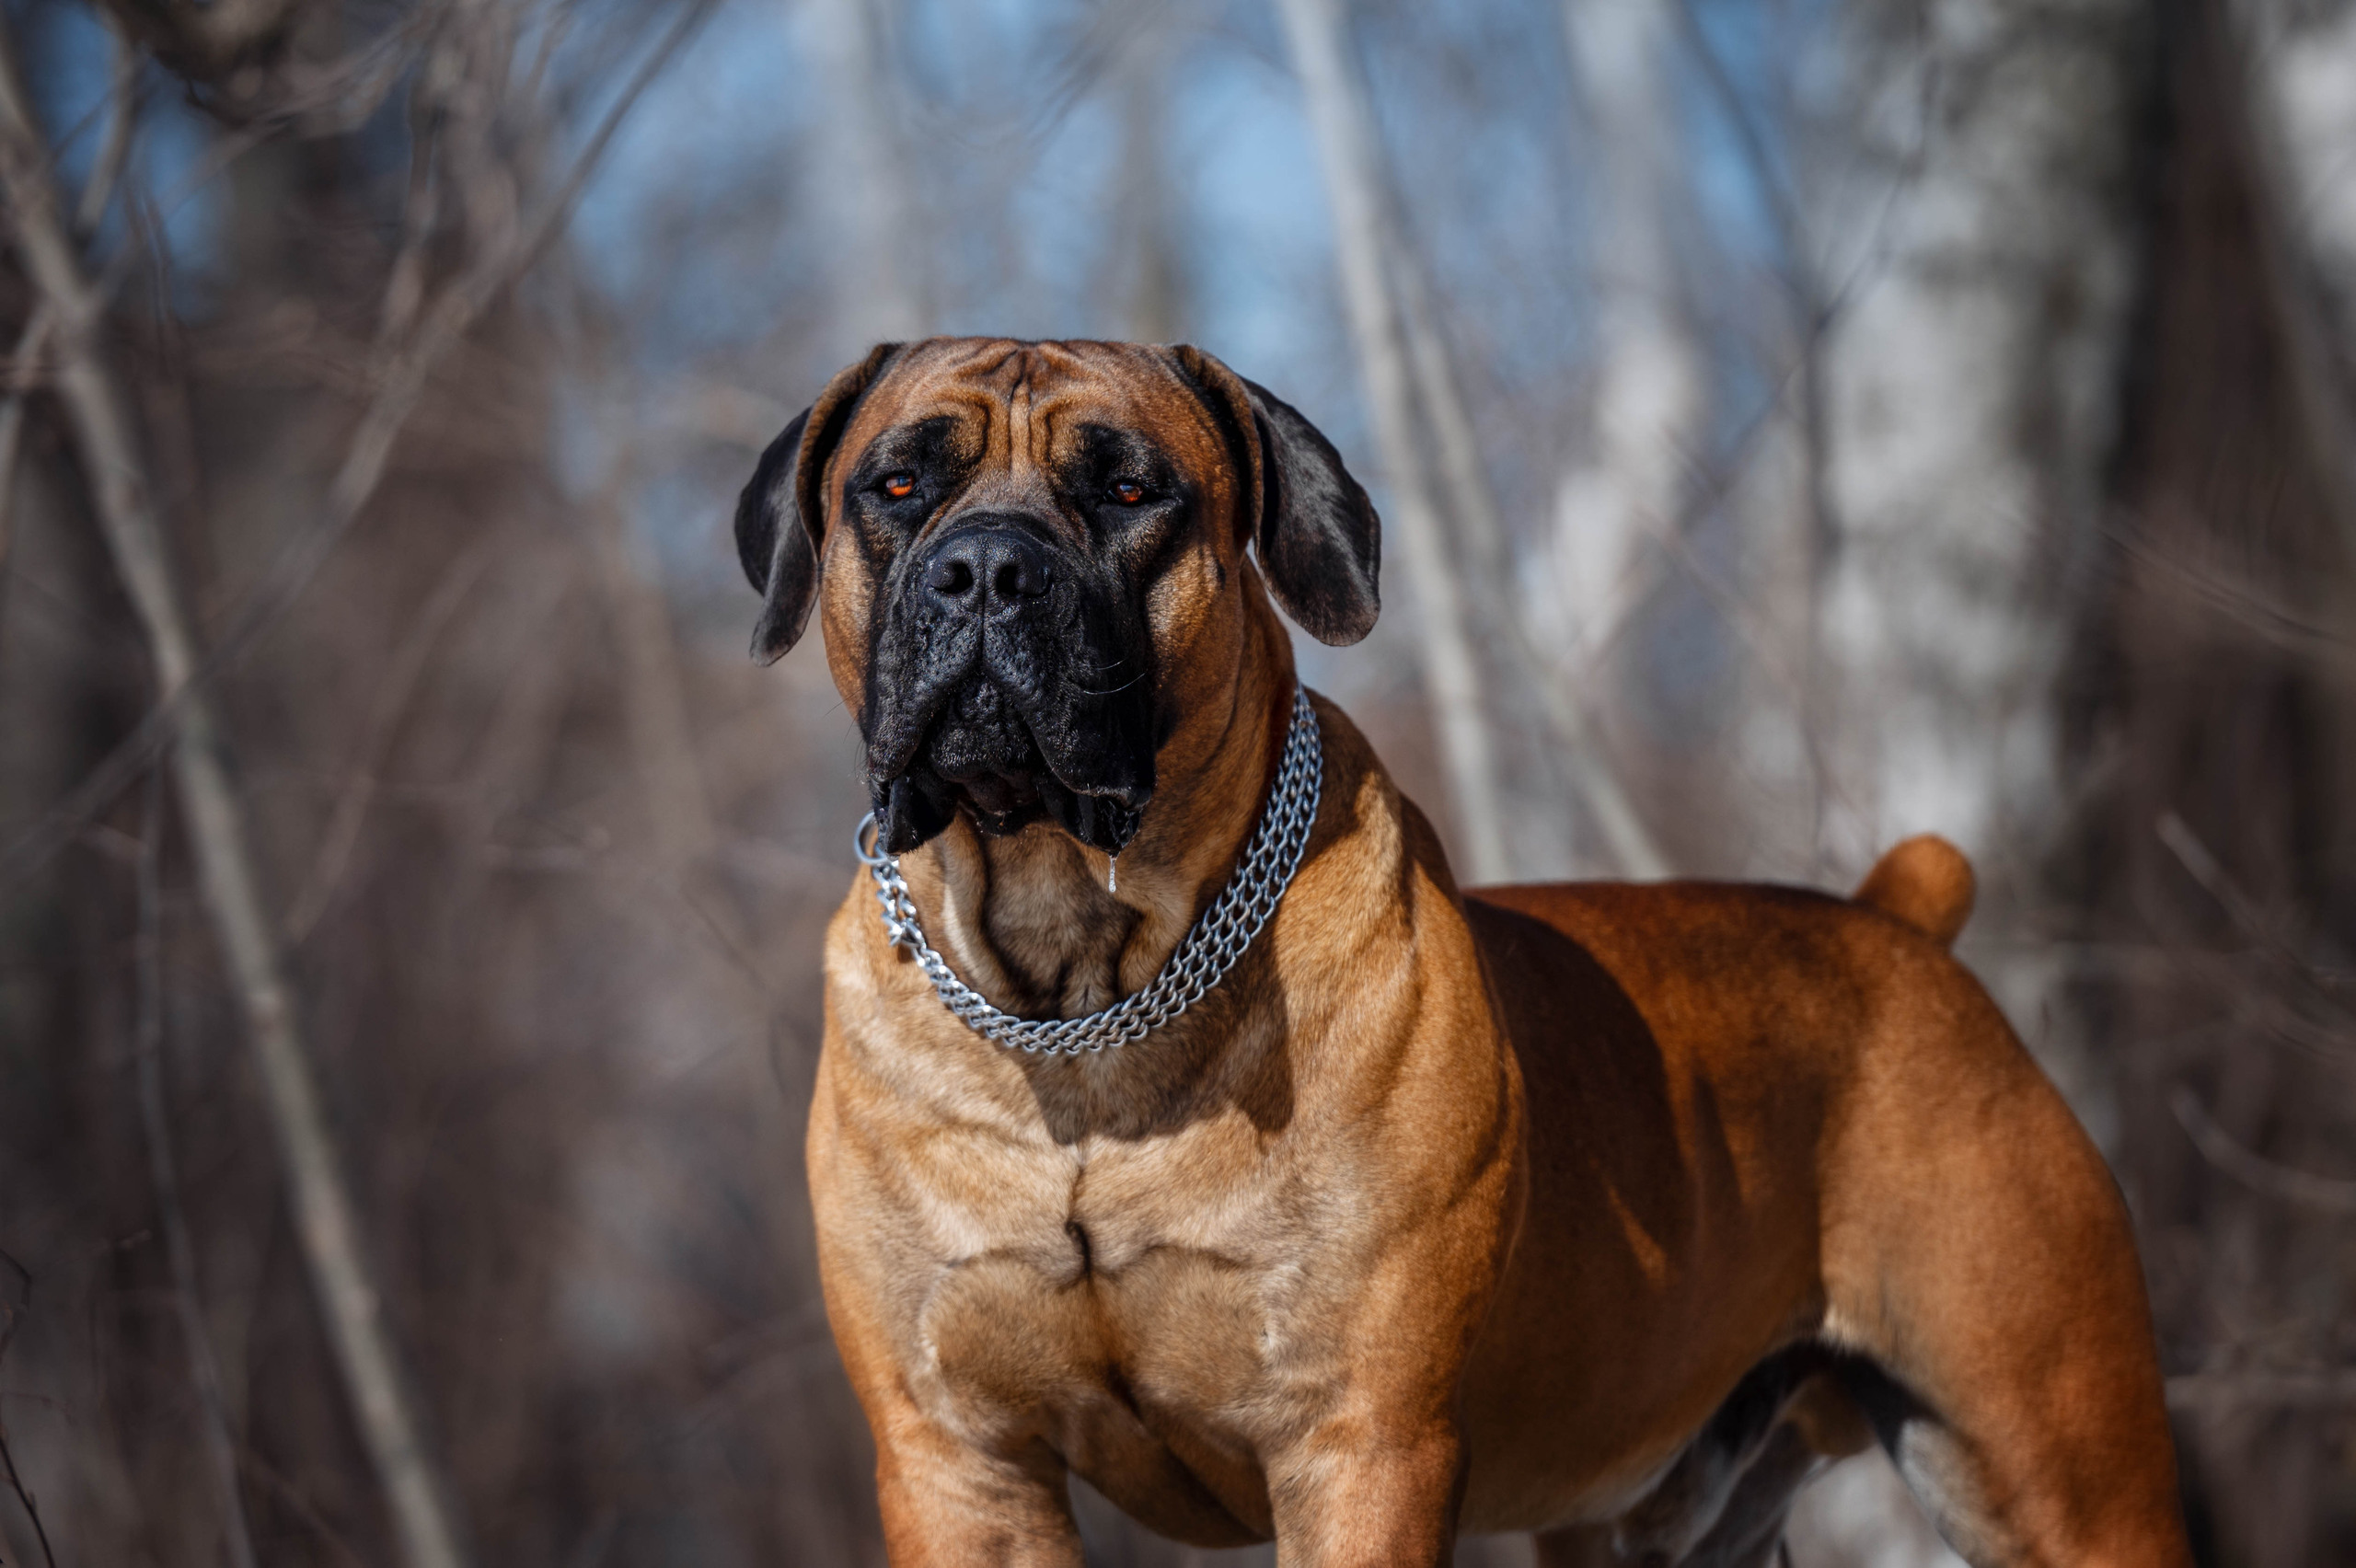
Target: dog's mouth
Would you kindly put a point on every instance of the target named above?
(982, 755)
(983, 752)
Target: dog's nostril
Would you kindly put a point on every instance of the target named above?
(1020, 579)
(953, 578)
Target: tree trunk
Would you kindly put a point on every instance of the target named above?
(1344, 131)
(881, 285)
(1649, 386)
(2299, 124)
(1149, 277)
(1973, 381)
(2224, 702)
(1974, 388)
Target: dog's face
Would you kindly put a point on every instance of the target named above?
(1029, 555)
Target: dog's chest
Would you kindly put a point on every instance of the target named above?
(1139, 1320)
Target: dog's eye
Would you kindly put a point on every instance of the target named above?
(898, 483)
(1128, 493)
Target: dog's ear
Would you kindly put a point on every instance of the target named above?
(1320, 541)
(781, 516)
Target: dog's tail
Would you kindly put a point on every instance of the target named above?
(1924, 881)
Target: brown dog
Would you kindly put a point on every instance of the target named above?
(1605, 1212)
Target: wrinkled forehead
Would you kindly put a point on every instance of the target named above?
(1014, 405)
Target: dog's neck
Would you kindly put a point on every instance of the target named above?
(1040, 925)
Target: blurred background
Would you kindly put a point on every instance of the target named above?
(1797, 423)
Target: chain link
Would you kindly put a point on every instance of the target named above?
(1209, 950)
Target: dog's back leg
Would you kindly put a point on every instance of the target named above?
(1804, 1420)
(1977, 1253)
(1576, 1546)
(1750, 1531)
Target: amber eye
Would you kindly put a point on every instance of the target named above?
(899, 483)
(1128, 493)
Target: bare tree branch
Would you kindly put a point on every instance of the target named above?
(30, 344)
(2214, 585)
(207, 39)
(286, 1492)
(123, 118)
(405, 279)
(2214, 1392)
(2254, 1171)
(179, 1247)
(393, 692)
(654, 707)
(11, 1312)
(25, 1500)
(2204, 868)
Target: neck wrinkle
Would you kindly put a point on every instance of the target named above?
(1028, 920)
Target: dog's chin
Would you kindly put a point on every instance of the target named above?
(997, 777)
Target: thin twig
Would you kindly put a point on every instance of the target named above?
(2225, 1390)
(30, 344)
(207, 38)
(405, 279)
(123, 119)
(180, 1246)
(1783, 207)
(32, 1510)
(2204, 868)
(2245, 603)
(2255, 1170)
(393, 692)
(287, 1492)
(12, 1312)
(654, 706)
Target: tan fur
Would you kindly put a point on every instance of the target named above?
(1926, 881)
(1440, 1212)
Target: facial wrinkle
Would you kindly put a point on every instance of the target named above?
(1020, 427)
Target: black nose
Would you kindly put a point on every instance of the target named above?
(984, 567)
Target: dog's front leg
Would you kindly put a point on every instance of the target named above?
(948, 1504)
(1360, 1492)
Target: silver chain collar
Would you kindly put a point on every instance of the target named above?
(1209, 950)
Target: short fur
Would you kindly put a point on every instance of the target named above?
(1606, 1212)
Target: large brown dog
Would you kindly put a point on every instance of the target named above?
(1604, 1212)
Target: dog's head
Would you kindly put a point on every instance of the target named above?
(1028, 555)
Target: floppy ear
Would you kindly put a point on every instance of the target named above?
(1320, 541)
(781, 515)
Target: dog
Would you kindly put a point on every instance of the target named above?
(1609, 1213)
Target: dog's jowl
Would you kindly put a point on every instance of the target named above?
(1347, 1209)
